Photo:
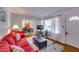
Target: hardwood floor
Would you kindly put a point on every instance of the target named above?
(67, 48)
(70, 49)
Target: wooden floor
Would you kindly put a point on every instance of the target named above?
(67, 48)
(70, 49)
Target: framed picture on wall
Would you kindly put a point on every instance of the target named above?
(2, 14)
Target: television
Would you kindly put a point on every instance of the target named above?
(40, 27)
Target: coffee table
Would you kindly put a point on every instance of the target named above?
(40, 43)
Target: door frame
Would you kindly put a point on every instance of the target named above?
(66, 17)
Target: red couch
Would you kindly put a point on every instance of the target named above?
(23, 43)
(4, 46)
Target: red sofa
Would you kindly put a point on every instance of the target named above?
(23, 43)
(4, 46)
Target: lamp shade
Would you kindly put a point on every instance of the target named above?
(15, 27)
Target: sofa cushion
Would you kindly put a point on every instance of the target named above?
(22, 43)
(16, 48)
(9, 39)
(22, 34)
(28, 49)
(4, 46)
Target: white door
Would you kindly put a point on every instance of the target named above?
(72, 30)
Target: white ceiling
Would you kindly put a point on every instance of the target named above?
(38, 12)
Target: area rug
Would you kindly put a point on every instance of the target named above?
(51, 46)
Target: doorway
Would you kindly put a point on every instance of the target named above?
(72, 30)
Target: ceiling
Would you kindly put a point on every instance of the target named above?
(38, 12)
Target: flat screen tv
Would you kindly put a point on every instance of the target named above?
(40, 27)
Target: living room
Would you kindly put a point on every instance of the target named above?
(38, 29)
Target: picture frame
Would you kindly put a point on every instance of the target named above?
(3, 15)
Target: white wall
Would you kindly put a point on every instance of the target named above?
(15, 18)
(64, 14)
(5, 25)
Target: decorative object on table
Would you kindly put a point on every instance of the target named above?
(47, 33)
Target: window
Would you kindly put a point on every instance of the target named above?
(57, 25)
(53, 25)
(48, 24)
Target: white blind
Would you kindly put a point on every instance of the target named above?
(48, 24)
(52, 25)
(57, 25)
